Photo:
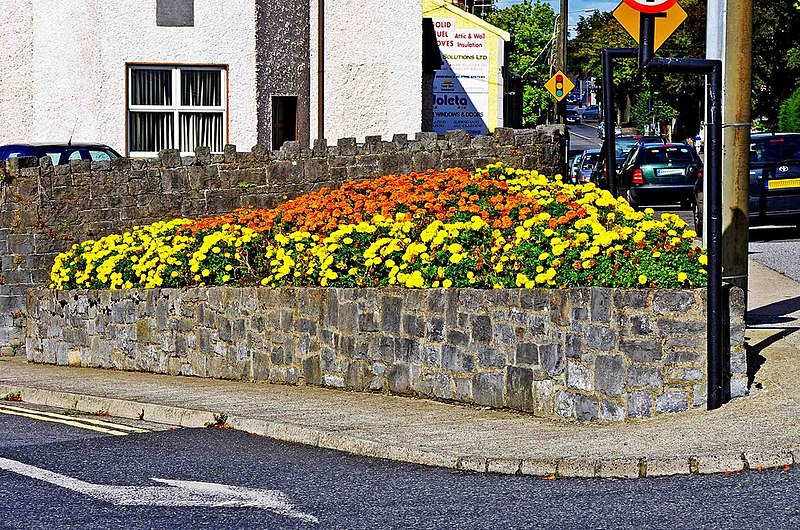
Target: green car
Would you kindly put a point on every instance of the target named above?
(660, 174)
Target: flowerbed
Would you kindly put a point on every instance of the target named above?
(498, 227)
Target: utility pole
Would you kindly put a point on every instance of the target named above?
(730, 38)
(561, 56)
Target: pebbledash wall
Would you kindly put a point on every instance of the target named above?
(46, 209)
(587, 354)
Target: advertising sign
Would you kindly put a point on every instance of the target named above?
(461, 86)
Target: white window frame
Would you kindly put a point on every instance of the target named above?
(176, 108)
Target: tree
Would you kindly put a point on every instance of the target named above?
(776, 56)
(676, 93)
(789, 116)
(531, 27)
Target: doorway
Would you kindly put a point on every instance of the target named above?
(284, 120)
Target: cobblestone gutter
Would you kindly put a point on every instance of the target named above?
(588, 354)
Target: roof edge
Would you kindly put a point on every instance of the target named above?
(478, 21)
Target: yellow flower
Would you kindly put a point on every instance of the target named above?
(447, 283)
(642, 279)
(703, 259)
(682, 277)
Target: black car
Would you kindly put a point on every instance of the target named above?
(59, 153)
(623, 143)
(659, 174)
(573, 116)
(774, 181)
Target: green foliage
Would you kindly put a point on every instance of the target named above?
(531, 26)
(678, 92)
(789, 116)
(643, 115)
(776, 55)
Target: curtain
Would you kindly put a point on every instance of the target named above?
(203, 129)
(152, 131)
(201, 88)
(151, 87)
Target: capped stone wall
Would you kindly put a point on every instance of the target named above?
(586, 354)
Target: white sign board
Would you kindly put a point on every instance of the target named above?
(651, 6)
(461, 86)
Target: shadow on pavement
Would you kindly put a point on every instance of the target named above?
(775, 313)
(754, 358)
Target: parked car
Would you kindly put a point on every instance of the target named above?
(574, 167)
(658, 173)
(623, 143)
(774, 196)
(584, 165)
(592, 112)
(573, 116)
(59, 153)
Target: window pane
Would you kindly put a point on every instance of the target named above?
(151, 87)
(151, 131)
(201, 88)
(201, 129)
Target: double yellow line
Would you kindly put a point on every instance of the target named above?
(90, 424)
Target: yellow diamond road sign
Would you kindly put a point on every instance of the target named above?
(665, 25)
(559, 85)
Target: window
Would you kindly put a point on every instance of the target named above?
(180, 107)
(175, 12)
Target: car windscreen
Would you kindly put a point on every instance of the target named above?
(623, 145)
(771, 150)
(669, 155)
(589, 160)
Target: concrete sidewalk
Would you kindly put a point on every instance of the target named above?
(761, 430)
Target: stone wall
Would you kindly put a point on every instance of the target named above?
(587, 354)
(44, 209)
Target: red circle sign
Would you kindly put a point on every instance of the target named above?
(651, 6)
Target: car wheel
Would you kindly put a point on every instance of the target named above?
(697, 211)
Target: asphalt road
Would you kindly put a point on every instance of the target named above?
(327, 489)
(583, 137)
(777, 248)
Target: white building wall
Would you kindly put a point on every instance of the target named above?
(79, 59)
(373, 68)
(16, 70)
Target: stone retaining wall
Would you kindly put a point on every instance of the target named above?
(44, 210)
(588, 354)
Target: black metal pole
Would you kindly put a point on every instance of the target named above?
(647, 30)
(714, 334)
(715, 313)
(609, 54)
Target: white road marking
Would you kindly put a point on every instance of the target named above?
(584, 137)
(91, 421)
(177, 493)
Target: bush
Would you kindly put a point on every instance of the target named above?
(789, 115)
(496, 228)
